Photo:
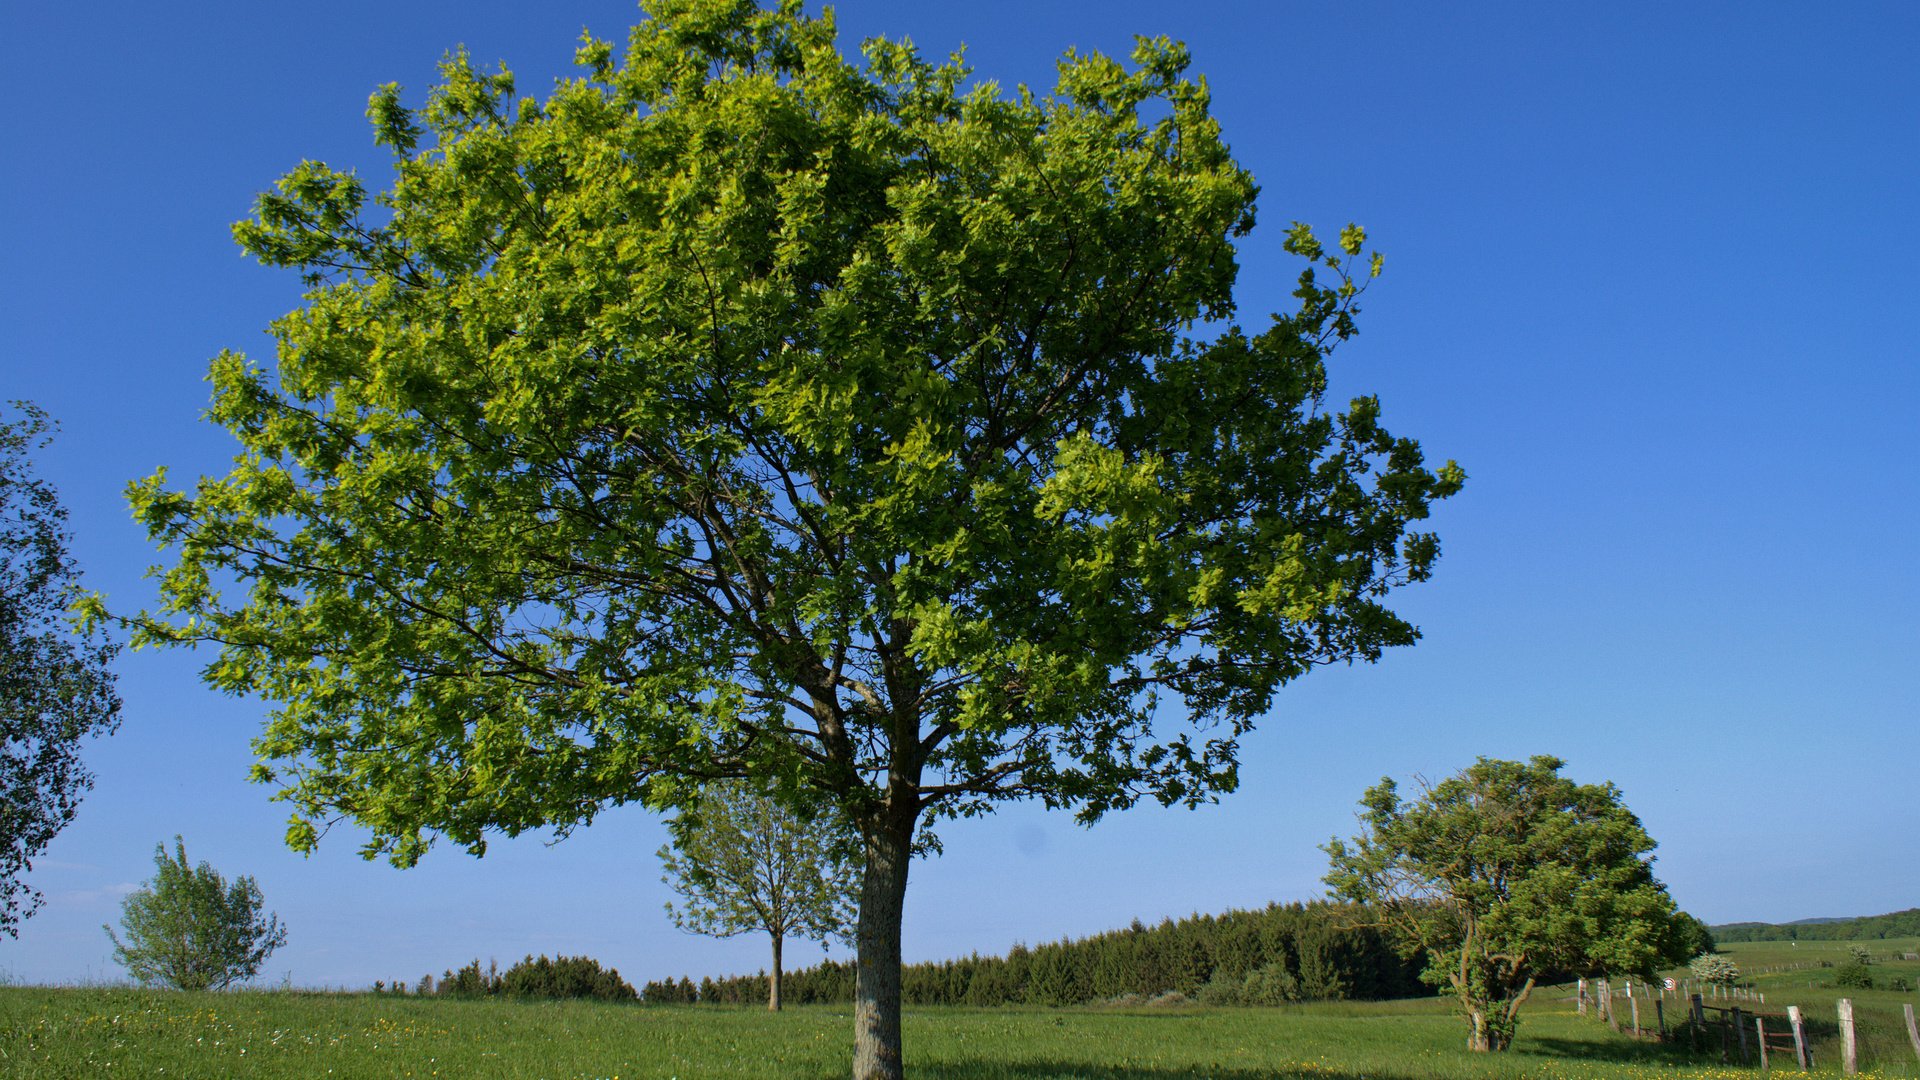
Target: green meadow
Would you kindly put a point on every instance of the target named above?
(110, 1031)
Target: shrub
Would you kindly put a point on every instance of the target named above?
(565, 977)
(1269, 985)
(1900, 983)
(1853, 975)
(471, 982)
(1715, 969)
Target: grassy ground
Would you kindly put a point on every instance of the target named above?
(1802, 974)
(1768, 958)
(122, 1032)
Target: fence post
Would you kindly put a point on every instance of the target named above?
(1660, 1018)
(1913, 1030)
(1801, 1051)
(1849, 1046)
(1740, 1025)
(1581, 1008)
(1760, 1029)
(1696, 1018)
(1633, 1005)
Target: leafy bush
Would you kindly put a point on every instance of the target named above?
(565, 977)
(1269, 985)
(1900, 983)
(1853, 975)
(1860, 955)
(1714, 969)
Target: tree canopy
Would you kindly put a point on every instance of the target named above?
(739, 410)
(743, 863)
(56, 685)
(1505, 872)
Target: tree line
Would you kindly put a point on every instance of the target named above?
(1894, 924)
(1290, 952)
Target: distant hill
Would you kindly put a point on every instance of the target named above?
(1867, 927)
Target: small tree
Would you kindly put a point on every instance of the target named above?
(1714, 970)
(189, 929)
(1505, 871)
(745, 863)
(1852, 975)
(55, 686)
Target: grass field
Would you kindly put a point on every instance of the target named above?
(1802, 974)
(106, 1032)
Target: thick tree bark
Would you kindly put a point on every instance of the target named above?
(876, 992)
(773, 984)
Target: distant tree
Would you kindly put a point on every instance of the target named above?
(1691, 936)
(1714, 969)
(744, 863)
(1896, 924)
(189, 929)
(1861, 954)
(1505, 871)
(56, 687)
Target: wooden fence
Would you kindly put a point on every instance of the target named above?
(1774, 1035)
(1746, 1035)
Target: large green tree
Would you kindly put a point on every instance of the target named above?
(738, 410)
(743, 863)
(1505, 872)
(56, 686)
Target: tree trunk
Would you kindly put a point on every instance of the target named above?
(1477, 1040)
(876, 988)
(773, 984)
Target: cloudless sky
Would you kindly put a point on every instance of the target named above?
(1653, 278)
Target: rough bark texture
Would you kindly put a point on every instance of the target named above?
(773, 984)
(876, 992)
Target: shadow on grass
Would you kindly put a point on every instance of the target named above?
(1073, 1070)
(1620, 1052)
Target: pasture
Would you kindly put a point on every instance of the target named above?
(121, 1031)
(106, 1032)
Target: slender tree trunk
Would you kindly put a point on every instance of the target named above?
(773, 984)
(876, 989)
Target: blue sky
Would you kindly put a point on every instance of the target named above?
(1651, 278)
